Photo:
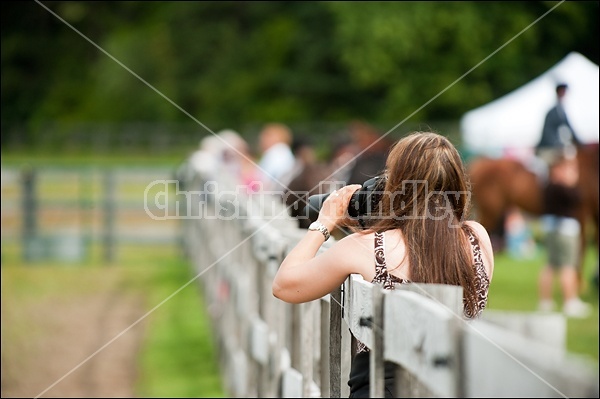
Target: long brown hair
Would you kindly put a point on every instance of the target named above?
(427, 196)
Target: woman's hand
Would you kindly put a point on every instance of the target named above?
(305, 276)
(334, 211)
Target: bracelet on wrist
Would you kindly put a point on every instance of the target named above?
(318, 226)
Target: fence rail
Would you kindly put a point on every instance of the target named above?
(269, 348)
(58, 212)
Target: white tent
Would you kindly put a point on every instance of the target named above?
(515, 120)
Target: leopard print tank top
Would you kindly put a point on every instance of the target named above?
(388, 281)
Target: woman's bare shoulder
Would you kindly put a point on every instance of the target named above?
(355, 251)
(477, 228)
(486, 245)
(356, 242)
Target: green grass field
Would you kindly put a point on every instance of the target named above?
(514, 287)
(178, 357)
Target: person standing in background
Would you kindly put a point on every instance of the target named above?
(304, 179)
(562, 231)
(371, 152)
(277, 158)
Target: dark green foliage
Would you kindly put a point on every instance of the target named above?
(234, 64)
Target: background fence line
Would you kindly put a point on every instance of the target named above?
(269, 348)
(59, 213)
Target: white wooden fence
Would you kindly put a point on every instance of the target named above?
(269, 348)
(61, 212)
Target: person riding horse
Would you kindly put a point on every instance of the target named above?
(558, 137)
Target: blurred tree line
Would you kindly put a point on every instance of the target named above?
(231, 64)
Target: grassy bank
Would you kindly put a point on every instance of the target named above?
(178, 357)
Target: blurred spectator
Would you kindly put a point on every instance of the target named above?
(562, 230)
(238, 161)
(204, 160)
(519, 238)
(304, 178)
(277, 159)
(225, 155)
(304, 155)
(343, 158)
(372, 152)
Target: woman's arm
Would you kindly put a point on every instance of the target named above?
(302, 277)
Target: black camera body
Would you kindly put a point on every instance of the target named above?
(364, 201)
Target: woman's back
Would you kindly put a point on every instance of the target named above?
(391, 249)
(391, 267)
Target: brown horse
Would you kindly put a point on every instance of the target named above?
(501, 184)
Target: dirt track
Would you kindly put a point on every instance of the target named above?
(46, 341)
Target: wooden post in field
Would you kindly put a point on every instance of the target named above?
(85, 208)
(29, 214)
(109, 216)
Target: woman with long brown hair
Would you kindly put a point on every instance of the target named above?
(419, 233)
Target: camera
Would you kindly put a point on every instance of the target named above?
(362, 203)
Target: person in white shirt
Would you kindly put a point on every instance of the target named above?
(277, 158)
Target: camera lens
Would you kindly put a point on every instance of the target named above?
(362, 202)
(313, 206)
(355, 204)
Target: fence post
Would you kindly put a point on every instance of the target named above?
(85, 206)
(109, 216)
(306, 333)
(275, 317)
(335, 344)
(376, 372)
(450, 298)
(324, 325)
(29, 214)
